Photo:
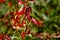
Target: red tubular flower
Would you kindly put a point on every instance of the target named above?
(23, 22)
(19, 13)
(28, 16)
(23, 35)
(19, 24)
(16, 20)
(34, 21)
(22, 11)
(39, 22)
(1, 1)
(28, 32)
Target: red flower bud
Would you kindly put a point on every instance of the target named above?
(23, 22)
(29, 18)
(23, 35)
(19, 13)
(39, 22)
(19, 24)
(22, 11)
(34, 21)
(16, 20)
(28, 32)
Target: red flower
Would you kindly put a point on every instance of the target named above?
(23, 35)
(39, 22)
(28, 16)
(23, 22)
(28, 32)
(1, 1)
(16, 20)
(19, 13)
(34, 21)
(19, 24)
(22, 11)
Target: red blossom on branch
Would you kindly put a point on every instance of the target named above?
(34, 21)
(22, 11)
(23, 35)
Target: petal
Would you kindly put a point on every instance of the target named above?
(34, 21)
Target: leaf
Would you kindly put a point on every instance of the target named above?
(46, 18)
